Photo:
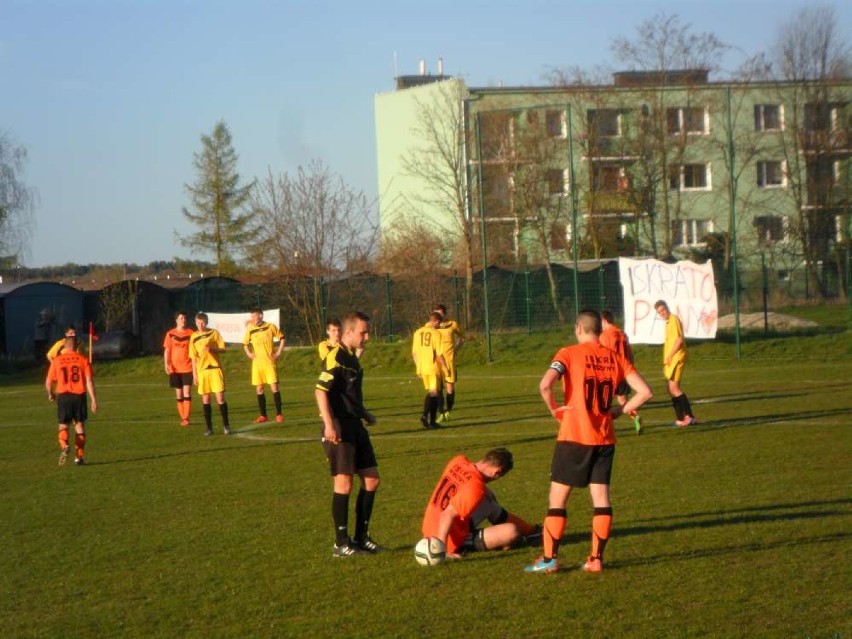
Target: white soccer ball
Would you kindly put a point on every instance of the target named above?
(430, 551)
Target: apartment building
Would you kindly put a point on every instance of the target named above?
(655, 163)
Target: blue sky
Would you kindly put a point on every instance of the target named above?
(110, 97)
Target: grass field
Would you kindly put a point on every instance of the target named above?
(739, 527)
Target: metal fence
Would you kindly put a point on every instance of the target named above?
(523, 299)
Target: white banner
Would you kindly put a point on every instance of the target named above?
(232, 326)
(688, 288)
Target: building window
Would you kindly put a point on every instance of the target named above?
(688, 120)
(771, 173)
(771, 229)
(690, 232)
(768, 117)
(557, 181)
(690, 177)
(604, 123)
(820, 116)
(557, 126)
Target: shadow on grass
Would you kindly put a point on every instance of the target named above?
(751, 509)
(696, 553)
(718, 424)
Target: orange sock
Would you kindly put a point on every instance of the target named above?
(601, 527)
(554, 526)
(79, 445)
(63, 438)
(180, 409)
(187, 407)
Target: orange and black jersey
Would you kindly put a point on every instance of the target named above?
(176, 344)
(341, 378)
(69, 371)
(615, 339)
(590, 374)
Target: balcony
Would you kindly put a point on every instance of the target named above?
(608, 202)
(825, 141)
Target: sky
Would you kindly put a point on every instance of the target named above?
(111, 97)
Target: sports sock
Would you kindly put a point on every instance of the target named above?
(554, 526)
(340, 515)
(208, 415)
(261, 403)
(79, 445)
(187, 406)
(223, 411)
(63, 438)
(363, 512)
(678, 407)
(687, 407)
(426, 405)
(451, 401)
(180, 408)
(601, 526)
(276, 397)
(433, 408)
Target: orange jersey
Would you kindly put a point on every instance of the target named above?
(463, 486)
(615, 339)
(176, 344)
(590, 374)
(69, 370)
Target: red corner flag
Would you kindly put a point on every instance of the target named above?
(92, 338)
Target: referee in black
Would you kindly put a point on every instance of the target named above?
(345, 439)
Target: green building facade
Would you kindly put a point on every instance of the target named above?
(654, 164)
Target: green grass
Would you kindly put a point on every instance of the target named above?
(737, 528)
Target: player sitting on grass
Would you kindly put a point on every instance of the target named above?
(461, 501)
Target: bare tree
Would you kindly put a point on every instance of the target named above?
(16, 202)
(810, 56)
(218, 201)
(439, 161)
(415, 254)
(666, 50)
(311, 225)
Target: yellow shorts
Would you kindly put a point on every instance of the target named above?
(431, 382)
(263, 373)
(211, 381)
(450, 377)
(674, 371)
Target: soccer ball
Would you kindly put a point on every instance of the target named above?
(430, 551)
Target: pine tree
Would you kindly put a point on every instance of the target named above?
(225, 228)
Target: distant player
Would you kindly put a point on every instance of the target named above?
(674, 361)
(263, 343)
(332, 331)
(585, 443)
(614, 338)
(68, 380)
(427, 351)
(462, 501)
(179, 366)
(451, 338)
(59, 347)
(204, 348)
